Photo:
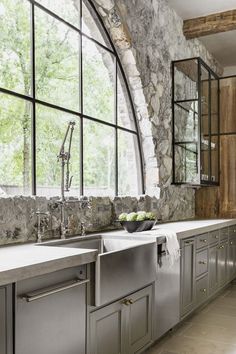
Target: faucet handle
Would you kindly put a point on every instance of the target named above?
(39, 212)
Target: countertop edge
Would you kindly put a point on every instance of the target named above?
(30, 271)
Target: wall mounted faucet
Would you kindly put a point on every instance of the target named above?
(40, 224)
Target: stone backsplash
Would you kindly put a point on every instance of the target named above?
(18, 221)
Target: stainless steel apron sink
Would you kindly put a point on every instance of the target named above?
(122, 265)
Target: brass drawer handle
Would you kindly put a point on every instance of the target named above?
(203, 240)
(203, 290)
(127, 302)
(202, 262)
(231, 242)
(216, 237)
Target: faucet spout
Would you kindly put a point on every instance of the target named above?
(66, 180)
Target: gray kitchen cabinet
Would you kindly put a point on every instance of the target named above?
(124, 327)
(201, 290)
(140, 320)
(213, 269)
(222, 263)
(51, 313)
(6, 315)
(187, 276)
(201, 262)
(231, 259)
(107, 330)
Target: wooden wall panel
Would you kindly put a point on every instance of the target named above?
(207, 202)
(228, 176)
(212, 202)
(228, 105)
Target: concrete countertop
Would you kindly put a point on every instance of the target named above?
(183, 229)
(25, 261)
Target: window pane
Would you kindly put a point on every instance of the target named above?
(91, 25)
(51, 128)
(99, 159)
(69, 10)
(15, 145)
(15, 45)
(98, 81)
(129, 176)
(57, 62)
(125, 114)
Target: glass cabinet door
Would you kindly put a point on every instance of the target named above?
(205, 124)
(186, 120)
(195, 108)
(214, 129)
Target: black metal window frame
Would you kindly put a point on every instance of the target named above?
(200, 63)
(34, 101)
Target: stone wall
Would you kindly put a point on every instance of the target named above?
(148, 36)
(18, 219)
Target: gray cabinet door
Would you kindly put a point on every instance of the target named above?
(6, 328)
(107, 330)
(56, 323)
(123, 327)
(213, 269)
(231, 261)
(188, 276)
(222, 264)
(140, 320)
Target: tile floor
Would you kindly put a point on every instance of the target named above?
(211, 330)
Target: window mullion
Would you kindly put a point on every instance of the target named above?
(116, 131)
(33, 93)
(81, 107)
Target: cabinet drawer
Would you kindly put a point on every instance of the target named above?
(51, 317)
(202, 240)
(201, 263)
(224, 233)
(232, 231)
(214, 236)
(201, 290)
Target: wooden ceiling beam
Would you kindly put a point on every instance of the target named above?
(211, 24)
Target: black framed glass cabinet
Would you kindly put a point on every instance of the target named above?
(195, 108)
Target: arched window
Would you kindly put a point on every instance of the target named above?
(57, 64)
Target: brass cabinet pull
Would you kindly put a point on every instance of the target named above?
(203, 240)
(188, 242)
(203, 290)
(202, 262)
(216, 236)
(127, 302)
(231, 242)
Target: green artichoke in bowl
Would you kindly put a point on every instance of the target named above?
(131, 217)
(123, 217)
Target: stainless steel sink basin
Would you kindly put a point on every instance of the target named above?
(122, 266)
